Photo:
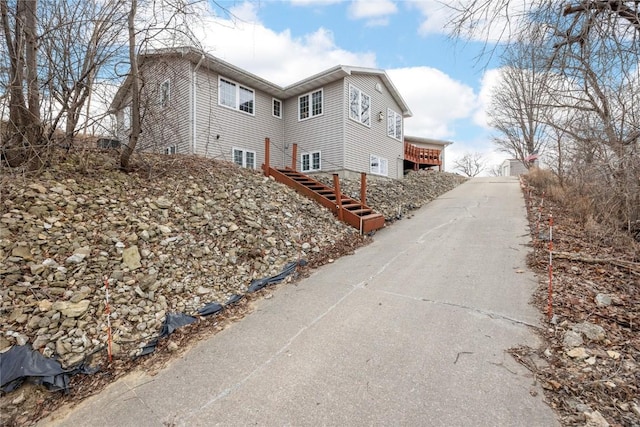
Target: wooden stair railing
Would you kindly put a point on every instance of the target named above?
(351, 211)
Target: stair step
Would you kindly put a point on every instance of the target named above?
(373, 215)
(357, 214)
(362, 212)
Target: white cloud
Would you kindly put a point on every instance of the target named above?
(314, 2)
(436, 100)
(276, 56)
(496, 21)
(367, 9)
(246, 11)
(489, 81)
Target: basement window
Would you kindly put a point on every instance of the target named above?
(244, 158)
(310, 161)
(378, 165)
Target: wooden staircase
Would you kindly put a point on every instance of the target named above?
(351, 211)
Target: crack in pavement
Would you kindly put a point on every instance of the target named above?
(488, 313)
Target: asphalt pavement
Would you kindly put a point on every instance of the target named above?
(411, 330)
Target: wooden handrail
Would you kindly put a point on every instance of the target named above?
(338, 193)
(266, 165)
(428, 156)
(294, 156)
(363, 188)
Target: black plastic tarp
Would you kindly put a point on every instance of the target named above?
(21, 363)
(209, 309)
(172, 321)
(288, 269)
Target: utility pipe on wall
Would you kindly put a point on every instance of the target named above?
(194, 102)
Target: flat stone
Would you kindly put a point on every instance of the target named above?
(603, 300)
(78, 255)
(71, 309)
(572, 339)
(164, 229)
(590, 331)
(131, 258)
(39, 188)
(595, 419)
(4, 343)
(23, 252)
(578, 353)
(163, 203)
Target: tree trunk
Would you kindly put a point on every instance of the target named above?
(135, 92)
(24, 139)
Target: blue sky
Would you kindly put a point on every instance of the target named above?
(445, 82)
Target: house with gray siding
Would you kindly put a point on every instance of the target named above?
(344, 120)
(512, 167)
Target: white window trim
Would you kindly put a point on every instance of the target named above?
(127, 118)
(273, 102)
(360, 94)
(389, 110)
(237, 96)
(309, 95)
(171, 149)
(311, 168)
(164, 102)
(382, 165)
(244, 157)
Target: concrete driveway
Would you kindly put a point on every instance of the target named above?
(411, 330)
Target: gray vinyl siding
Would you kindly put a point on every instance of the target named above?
(219, 129)
(323, 133)
(361, 142)
(165, 126)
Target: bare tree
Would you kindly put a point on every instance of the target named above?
(470, 164)
(591, 111)
(164, 23)
(79, 39)
(19, 24)
(520, 100)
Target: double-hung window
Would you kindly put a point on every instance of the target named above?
(165, 93)
(244, 158)
(310, 161)
(310, 105)
(277, 108)
(235, 96)
(378, 165)
(394, 124)
(359, 106)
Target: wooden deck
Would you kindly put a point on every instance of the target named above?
(421, 156)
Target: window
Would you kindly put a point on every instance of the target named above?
(359, 106)
(165, 93)
(394, 124)
(310, 161)
(244, 158)
(172, 149)
(379, 165)
(310, 105)
(277, 108)
(127, 118)
(236, 96)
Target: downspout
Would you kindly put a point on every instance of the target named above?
(194, 86)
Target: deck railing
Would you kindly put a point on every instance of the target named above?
(422, 156)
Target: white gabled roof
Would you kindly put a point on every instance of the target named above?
(216, 64)
(431, 141)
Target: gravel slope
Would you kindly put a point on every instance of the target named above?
(177, 233)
